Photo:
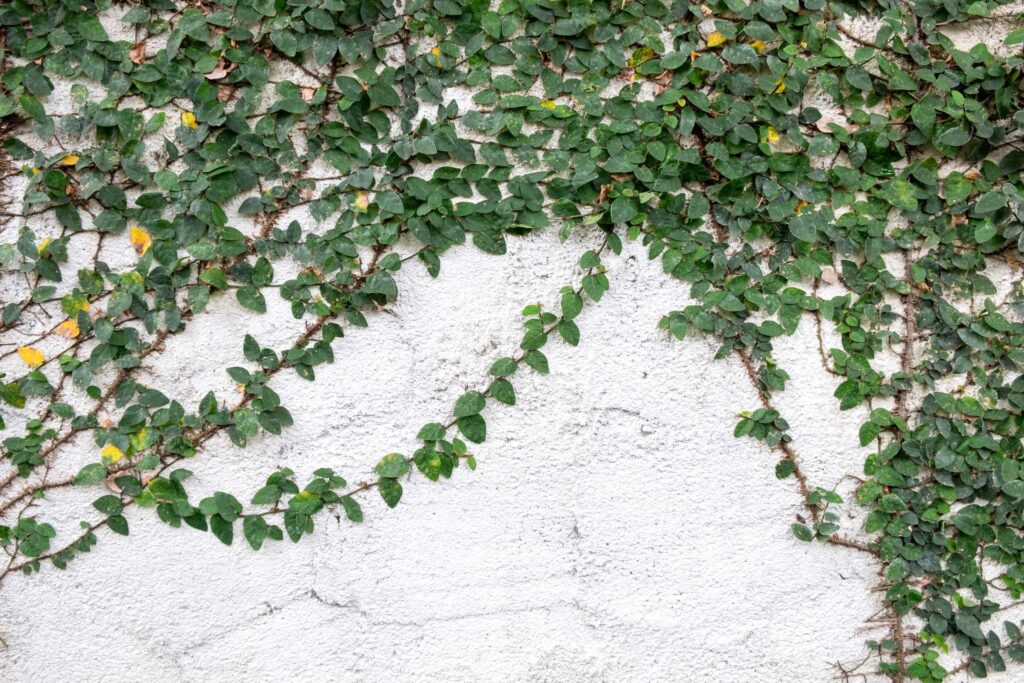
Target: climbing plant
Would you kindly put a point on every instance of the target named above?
(837, 164)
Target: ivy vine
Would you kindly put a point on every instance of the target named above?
(793, 169)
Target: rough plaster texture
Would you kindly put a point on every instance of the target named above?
(615, 530)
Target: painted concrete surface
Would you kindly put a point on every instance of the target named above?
(614, 530)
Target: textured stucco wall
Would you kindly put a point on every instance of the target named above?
(615, 530)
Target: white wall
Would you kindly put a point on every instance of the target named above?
(614, 530)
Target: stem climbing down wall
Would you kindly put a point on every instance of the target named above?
(790, 165)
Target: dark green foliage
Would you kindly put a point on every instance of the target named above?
(878, 215)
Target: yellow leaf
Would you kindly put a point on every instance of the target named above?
(548, 104)
(70, 160)
(639, 56)
(771, 135)
(35, 170)
(189, 119)
(757, 45)
(140, 239)
(139, 440)
(716, 39)
(69, 329)
(112, 453)
(41, 249)
(780, 87)
(32, 357)
(437, 55)
(800, 206)
(362, 201)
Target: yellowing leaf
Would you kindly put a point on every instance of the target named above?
(548, 104)
(35, 170)
(70, 160)
(715, 39)
(41, 249)
(771, 136)
(79, 303)
(639, 56)
(780, 87)
(69, 329)
(800, 206)
(112, 453)
(31, 357)
(437, 55)
(757, 45)
(140, 439)
(189, 119)
(140, 239)
(361, 201)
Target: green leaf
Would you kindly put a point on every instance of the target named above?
(957, 187)
(108, 505)
(900, 193)
(589, 260)
(572, 304)
(352, 509)
(740, 53)
(255, 530)
(91, 29)
(470, 403)
(215, 277)
(390, 491)
(473, 427)
(802, 532)
(989, 202)
(923, 116)
(537, 360)
(383, 95)
(504, 367)
(1014, 489)
(502, 390)
(805, 227)
(268, 495)
(252, 298)
(968, 624)
(784, 468)
(93, 473)
(569, 332)
(984, 231)
(623, 210)
(295, 524)
(957, 136)
(392, 465)
(118, 524)
(222, 529)
(897, 570)
(433, 431)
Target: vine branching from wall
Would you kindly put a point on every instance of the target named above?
(837, 164)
